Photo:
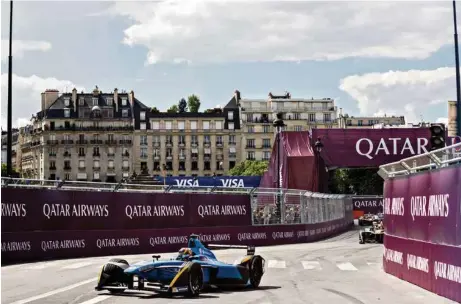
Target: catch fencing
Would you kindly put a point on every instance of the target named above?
(422, 216)
(51, 219)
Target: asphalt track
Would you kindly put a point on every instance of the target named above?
(336, 270)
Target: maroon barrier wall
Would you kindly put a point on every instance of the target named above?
(37, 246)
(53, 210)
(422, 225)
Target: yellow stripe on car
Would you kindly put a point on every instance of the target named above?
(100, 274)
(180, 273)
(246, 259)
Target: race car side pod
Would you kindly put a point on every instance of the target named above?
(250, 249)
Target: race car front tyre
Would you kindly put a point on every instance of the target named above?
(113, 275)
(256, 271)
(195, 282)
(117, 260)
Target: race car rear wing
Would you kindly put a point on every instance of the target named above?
(250, 249)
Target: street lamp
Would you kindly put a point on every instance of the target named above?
(279, 124)
(9, 140)
(318, 147)
(458, 86)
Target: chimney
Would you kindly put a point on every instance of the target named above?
(116, 99)
(452, 117)
(131, 98)
(237, 95)
(340, 112)
(74, 98)
(48, 98)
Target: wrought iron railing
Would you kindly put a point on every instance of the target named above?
(436, 159)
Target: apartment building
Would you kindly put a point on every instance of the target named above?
(299, 114)
(81, 136)
(346, 121)
(15, 161)
(188, 144)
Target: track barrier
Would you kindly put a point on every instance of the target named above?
(422, 219)
(44, 220)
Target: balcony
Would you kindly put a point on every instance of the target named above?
(67, 154)
(219, 157)
(266, 146)
(156, 144)
(97, 168)
(82, 142)
(125, 168)
(182, 157)
(67, 168)
(111, 142)
(156, 157)
(109, 154)
(169, 144)
(125, 141)
(53, 168)
(94, 128)
(52, 142)
(194, 144)
(82, 168)
(232, 143)
(207, 144)
(169, 157)
(250, 147)
(96, 154)
(81, 155)
(219, 144)
(96, 142)
(143, 156)
(67, 141)
(52, 154)
(232, 155)
(182, 144)
(126, 154)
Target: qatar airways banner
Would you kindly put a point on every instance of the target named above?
(435, 267)
(218, 181)
(54, 210)
(425, 206)
(371, 147)
(368, 204)
(43, 245)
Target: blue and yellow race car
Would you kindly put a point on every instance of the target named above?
(194, 268)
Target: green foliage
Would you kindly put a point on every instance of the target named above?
(5, 173)
(249, 168)
(193, 102)
(182, 105)
(360, 181)
(155, 110)
(173, 109)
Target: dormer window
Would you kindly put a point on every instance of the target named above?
(110, 101)
(95, 101)
(142, 115)
(66, 112)
(125, 113)
(81, 101)
(124, 101)
(67, 101)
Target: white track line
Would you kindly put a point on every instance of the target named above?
(96, 300)
(77, 265)
(276, 264)
(309, 265)
(346, 266)
(56, 291)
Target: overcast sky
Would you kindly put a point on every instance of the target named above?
(372, 57)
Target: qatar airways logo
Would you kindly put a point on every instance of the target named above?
(391, 146)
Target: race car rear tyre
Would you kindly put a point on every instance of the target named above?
(256, 271)
(112, 274)
(195, 282)
(117, 260)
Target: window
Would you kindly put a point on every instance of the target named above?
(168, 125)
(125, 113)
(66, 101)
(181, 125)
(96, 164)
(297, 116)
(206, 125)
(194, 139)
(266, 155)
(142, 115)
(251, 129)
(95, 101)
(370, 122)
(360, 123)
(298, 128)
(81, 164)
(218, 125)
(81, 151)
(109, 101)
(52, 164)
(96, 151)
(349, 122)
(207, 139)
(266, 143)
(327, 116)
(110, 164)
(250, 143)
(231, 126)
(66, 112)
(219, 139)
(143, 152)
(230, 115)
(232, 139)
(124, 101)
(250, 155)
(266, 129)
(125, 164)
(142, 126)
(193, 125)
(311, 116)
(81, 101)
(96, 175)
(110, 151)
(143, 140)
(182, 139)
(156, 139)
(155, 125)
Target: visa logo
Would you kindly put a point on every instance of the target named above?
(232, 183)
(187, 183)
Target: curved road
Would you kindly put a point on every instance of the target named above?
(336, 270)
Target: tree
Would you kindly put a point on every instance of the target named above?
(249, 168)
(5, 173)
(155, 110)
(193, 101)
(360, 181)
(182, 105)
(173, 109)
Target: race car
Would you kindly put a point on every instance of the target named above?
(368, 219)
(194, 268)
(373, 234)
